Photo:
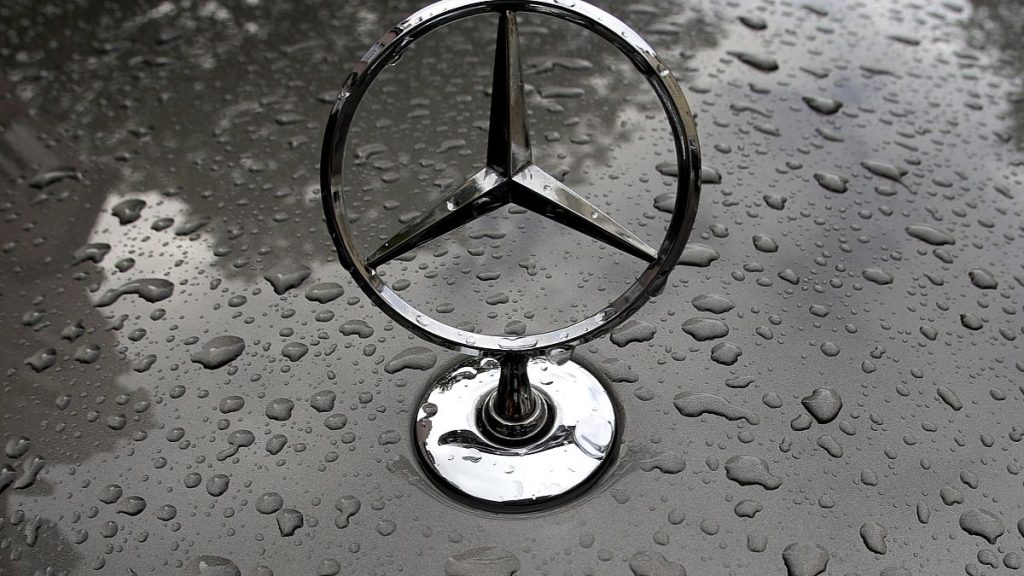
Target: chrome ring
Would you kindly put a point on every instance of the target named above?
(650, 281)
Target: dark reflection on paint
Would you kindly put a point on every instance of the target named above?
(37, 538)
(999, 24)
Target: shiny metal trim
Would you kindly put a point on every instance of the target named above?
(492, 188)
(514, 413)
(576, 444)
(508, 142)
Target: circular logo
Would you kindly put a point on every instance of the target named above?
(508, 175)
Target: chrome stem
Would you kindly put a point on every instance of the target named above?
(514, 414)
(514, 401)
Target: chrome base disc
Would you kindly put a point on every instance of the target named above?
(562, 459)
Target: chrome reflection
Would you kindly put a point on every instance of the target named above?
(576, 442)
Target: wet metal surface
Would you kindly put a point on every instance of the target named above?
(830, 383)
(466, 450)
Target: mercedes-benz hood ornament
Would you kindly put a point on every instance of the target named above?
(484, 430)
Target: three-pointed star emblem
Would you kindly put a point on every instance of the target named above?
(510, 176)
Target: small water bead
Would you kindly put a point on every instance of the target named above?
(747, 470)
(17, 447)
(111, 494)
(386, 527)
(166, 512)
(217, 485)
(335, 421)
(702, 329)
(930, 234)
(128, 210)
(805, 559)
(323, 401)
(149, 289)
(276, 443)
(413, 358)
(760, 62)
(212, 566)
(269, 503)
(726, 353)
(230, 404)
(286, 276)
(280, 409)
(132, 506)
(698, 255)
(289, 521)
(831, 182)
(714, 303)
(219, 351)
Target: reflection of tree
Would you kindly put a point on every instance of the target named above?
(686, 34)
(1000, 24)
(64, 409)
